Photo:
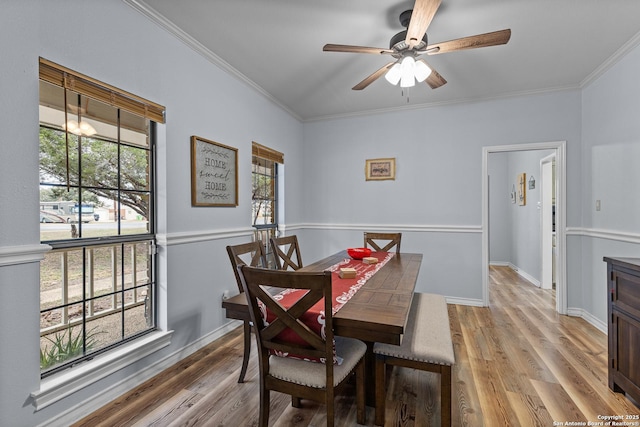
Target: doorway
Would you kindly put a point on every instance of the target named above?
(559, 151)
(547, 222)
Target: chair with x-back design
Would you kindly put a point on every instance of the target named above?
(391, 240)
(300, 377)
(252, 254)
(289, 259)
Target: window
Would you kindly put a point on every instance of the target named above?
(97, 284)
(264, 186)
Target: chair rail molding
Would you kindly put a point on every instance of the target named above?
(24, 254)
(600, 233)
(188, 237)
(426, 228)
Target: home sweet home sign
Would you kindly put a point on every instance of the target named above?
(214, 173)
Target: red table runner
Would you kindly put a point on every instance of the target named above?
(342, 291)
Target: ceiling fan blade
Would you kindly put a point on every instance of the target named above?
(423, 12)
(355, 49)
(373, 77)
(481, 40)
(435, 80)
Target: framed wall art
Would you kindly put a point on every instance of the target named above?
(380, 169)
(214, 173)
(522, 189)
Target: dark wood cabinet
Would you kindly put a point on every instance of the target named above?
(623, 278)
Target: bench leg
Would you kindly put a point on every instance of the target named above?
(445, 396)
(381, 389)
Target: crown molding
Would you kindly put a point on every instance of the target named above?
(612, 60)
(146, 10)
(142, 7)
(423, 106)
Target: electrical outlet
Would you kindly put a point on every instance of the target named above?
(597, 205)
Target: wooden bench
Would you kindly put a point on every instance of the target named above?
(426, 345)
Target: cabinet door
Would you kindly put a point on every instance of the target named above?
(626, 345)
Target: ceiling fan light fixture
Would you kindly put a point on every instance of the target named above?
(394, 74)
(407, 68)
(407, 81)
(421, 71)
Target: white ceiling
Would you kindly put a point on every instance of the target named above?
(276, 46)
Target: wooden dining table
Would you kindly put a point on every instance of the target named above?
(376, 313)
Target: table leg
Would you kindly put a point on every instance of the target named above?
(370, 377)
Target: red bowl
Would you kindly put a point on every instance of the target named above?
(358, 253)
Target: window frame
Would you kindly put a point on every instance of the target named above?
(122, 101)
(263, 232)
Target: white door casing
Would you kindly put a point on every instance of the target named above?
(561, 180)
(546, 221)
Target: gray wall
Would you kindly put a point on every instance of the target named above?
(610, 173)
(112, 42)
(435, 200)
(436, 197)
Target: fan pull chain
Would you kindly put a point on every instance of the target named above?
(405, 92)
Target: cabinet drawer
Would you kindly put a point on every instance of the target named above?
(626, 293)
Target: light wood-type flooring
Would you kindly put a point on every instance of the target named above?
(518, 363)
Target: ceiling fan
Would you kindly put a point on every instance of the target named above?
(407, 46)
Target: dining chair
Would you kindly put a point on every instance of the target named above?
(252, 254)
(391, 239)
(301, 379)
(289, 259)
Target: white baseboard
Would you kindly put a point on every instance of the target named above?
(518, 270)
(95, 402)
(464, 301)
(528, 277)
(589, 318)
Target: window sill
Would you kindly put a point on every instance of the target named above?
(65, 383)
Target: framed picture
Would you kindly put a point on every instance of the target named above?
(380, 169)
(214, 173)
(522, 189)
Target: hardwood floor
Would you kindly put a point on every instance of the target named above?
(518, 363)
